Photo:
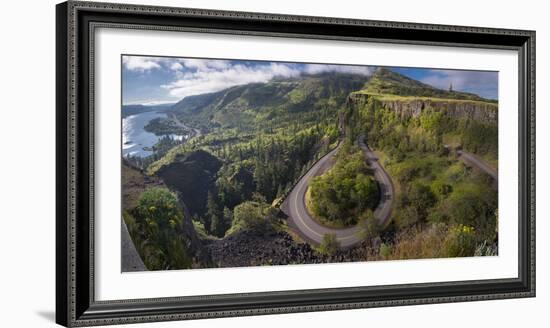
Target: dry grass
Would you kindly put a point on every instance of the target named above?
(133, 184)
(419, 244)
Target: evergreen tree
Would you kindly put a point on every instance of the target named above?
(212, 212)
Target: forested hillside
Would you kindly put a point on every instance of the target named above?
(281, 103)
(263, 135)
(128, 110)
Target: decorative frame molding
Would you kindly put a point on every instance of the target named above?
(75, 30)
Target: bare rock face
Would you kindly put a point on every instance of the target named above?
(411, 107)
(195, 246)
(192, 175)
(261, 246)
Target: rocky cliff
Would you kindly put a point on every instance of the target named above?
(192, 175)
(134, 183)
(407, 107)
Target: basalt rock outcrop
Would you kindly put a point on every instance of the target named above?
(411, 107)
(192, 175)
(265, 245)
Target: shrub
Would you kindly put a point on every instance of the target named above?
(472, 205)
(329, 244)
(421, 197)
(441, 189)
(160, 207)
(248, 215)
(414, 205)
(406, 217)
(368, 225)
(385, 250)
(460, 242)
(484, 249)
(158, 235)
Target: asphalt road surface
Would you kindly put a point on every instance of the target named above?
(383, 210)
(196, 132)
(473, 160)
(294, 205)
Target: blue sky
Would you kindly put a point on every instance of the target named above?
(156, 80)
(482, 83)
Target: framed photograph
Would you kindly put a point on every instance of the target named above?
(215, 164)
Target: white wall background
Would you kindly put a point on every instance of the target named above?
(27, 178)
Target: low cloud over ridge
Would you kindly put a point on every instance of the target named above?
(167, 79)
(198, 76)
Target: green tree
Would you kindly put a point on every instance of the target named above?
(432, 122)
(248, 215)
(422, 198)
(368, 227)
(222, 222)
(414, 205)
(365, 192)
(329, 244)
(227, 216)
(213, 222)
(217, 226)
(407, 216)
(348, 189)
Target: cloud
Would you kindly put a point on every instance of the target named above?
(142, 64)
(190, 76)
(207, 79)
(205, 64)
(176, 66)
(321, 68)
(484, 84)
(206, 76)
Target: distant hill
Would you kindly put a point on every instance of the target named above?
(260, 102)
(409, 98)
(387, 82)
(248, 105)
(128, 110)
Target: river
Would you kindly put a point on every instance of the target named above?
(134, 136)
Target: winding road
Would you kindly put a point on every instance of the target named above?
(473, 160)
(300, 219)
(196, 132)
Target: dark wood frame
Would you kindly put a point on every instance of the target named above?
(75, 302)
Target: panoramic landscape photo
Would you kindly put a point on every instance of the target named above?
(232, 163)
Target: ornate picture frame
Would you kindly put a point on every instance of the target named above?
(77, 22)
